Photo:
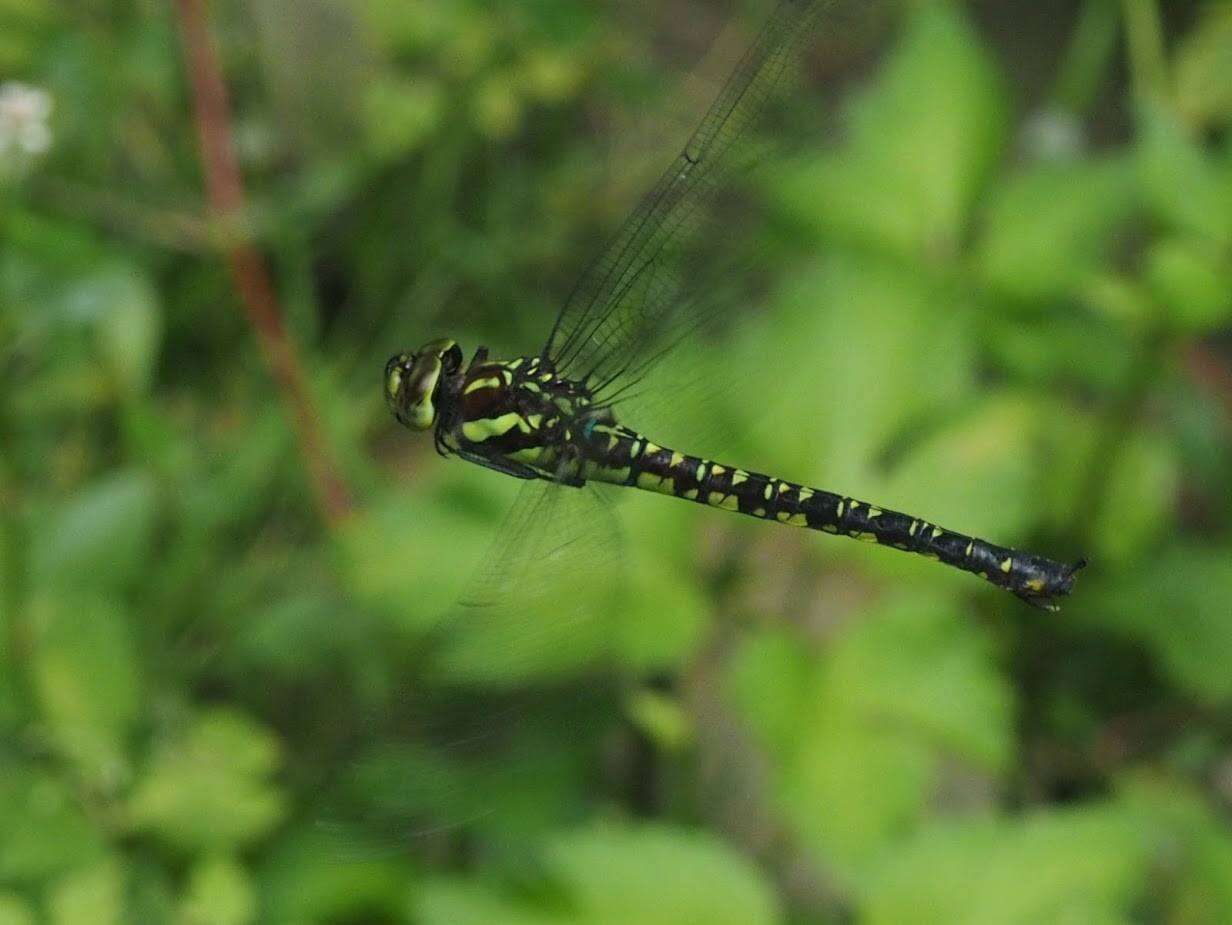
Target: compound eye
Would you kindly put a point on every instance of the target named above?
(394, 375)
(451, 359)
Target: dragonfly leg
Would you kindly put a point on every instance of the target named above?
(506, 466)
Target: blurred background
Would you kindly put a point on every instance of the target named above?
(999, 295)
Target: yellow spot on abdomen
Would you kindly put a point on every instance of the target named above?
(652, 482)
(1007, 565)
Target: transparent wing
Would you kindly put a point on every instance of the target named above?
(536, 608)
(633, 304)
(513, 683)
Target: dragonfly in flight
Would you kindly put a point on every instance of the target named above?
(556, 416)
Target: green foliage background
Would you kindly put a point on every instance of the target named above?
(1004, 304)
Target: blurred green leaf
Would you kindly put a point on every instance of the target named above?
(463, 901)
(1183, 185)
(1081, 865)
(325, 875)
(1050, 227)
(976, 475)
(1176, 604)
(15, 911)
(44, 831)
(865, 728)
(872, 348)
(614, 874)
(128, 324)
(85, 672)
(90, 896)
(219, 892)
(662, 611)
(662, 719)
(400, 115)
(1203, 62)
(1192, 282)
(396, 545)
(920, 665)
(101, 536)
(1091, 351)
(922, 143)
(209, 790)
(1193, 836)
(1141, 490)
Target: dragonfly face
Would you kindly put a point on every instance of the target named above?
(413, 382)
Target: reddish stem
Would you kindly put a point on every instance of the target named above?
(1213, 375)
(225, 190)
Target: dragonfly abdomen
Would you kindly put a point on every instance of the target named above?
(619, 455)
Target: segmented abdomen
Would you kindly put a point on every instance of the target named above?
(617, 454)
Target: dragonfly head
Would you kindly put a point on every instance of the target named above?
(413, 381)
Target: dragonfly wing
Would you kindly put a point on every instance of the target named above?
(627, 309)
(538, 605)
(516, 682)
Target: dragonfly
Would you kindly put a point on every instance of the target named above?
(557, 416)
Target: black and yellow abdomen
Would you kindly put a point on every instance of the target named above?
(618, 455)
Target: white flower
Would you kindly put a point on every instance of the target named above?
(24, 113)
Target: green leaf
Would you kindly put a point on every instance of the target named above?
(859, 736)
(660, 718)
(91, 896)
(119, 303)
(1142, 488)
(921, 666)
(1183, 185)
(14, 910)
(1050, 227)
(462, 901)
(1084, 865)
(85, 673)
(923, 141)
(44, 831)
(322, 874)
(210, 789)
(100, 537)
(1193, 836)
(1203, 63)
(662, 609)
(393, 558)
(1176, 604)
(858, 380)
(130, 331)
(977, 474)
(613, 875)
(1192, 282)
(219, 892)
(400, 115)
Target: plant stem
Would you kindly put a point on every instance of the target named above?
(1087, 57)
(225, 190)
(1145, 40)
